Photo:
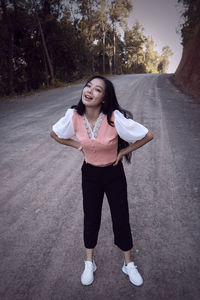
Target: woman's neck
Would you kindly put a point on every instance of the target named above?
(92, 113)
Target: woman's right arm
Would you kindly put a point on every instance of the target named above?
(63, 131)
(66, 142)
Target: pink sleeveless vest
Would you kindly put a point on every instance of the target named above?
(103, 149)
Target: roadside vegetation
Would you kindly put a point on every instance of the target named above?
(50, 43)
(187, 75)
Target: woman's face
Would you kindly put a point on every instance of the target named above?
(93, 93)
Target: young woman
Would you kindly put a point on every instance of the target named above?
(106, 133)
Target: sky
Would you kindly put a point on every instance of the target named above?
(160, 19)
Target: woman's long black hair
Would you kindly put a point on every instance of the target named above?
(110, 104)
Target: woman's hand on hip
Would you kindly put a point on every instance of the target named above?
(119, 157)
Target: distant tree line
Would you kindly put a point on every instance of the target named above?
(44, 43)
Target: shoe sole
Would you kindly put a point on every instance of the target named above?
(133, 282)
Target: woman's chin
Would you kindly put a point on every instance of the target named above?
(87, 103)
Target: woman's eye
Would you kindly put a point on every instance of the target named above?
(98, 90)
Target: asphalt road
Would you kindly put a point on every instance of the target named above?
(41, 245)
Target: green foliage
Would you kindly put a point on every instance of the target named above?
(119, 9)
(134, 49)
(47, 43)
(164, 59)
(151, 57)
(191, 17)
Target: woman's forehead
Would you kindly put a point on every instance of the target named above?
(97, 81)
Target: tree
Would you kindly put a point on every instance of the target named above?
(119, 10)
(134, 48)
(8, 40)
(102, 21)
(164, 59)
(151, 57)
(44, 42)
(88, 28)
(45, 9)
(191, 23)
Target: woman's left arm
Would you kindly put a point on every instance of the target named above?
(148, 137)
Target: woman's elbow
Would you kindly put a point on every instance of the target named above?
(52, 134)
(149, 136)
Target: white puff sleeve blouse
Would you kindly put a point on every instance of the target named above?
(128, 129)
(64, 128)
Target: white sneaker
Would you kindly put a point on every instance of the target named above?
(87, 276)
(131, 270)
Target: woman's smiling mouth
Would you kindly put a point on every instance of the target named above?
(87, 97)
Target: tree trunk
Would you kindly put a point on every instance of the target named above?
(93, 68)
(10, 62)
(114, 52)
(104, 42)
(45, 49)
(10, 69)
(46, 70)
(92, 52)
(110, 64)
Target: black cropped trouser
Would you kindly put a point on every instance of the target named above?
(110, 180)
